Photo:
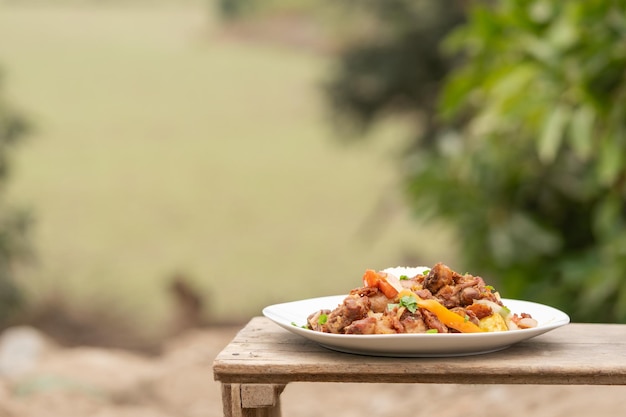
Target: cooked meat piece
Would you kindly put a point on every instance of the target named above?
(467, 280)
(485, 293)
(388, 323)
(424, 294)
(472, 317)
(364, 326)
(412, 282)
(468, 295)
(480, 310)
(413, 323)
(432, 322)
(488, 295)
(378, 302)
(438, 276)
(448, 296)
(314, 320)
(353, 308)
(455, 290)
(468, 314)
(364, 291)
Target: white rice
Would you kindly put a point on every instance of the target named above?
(410, 272)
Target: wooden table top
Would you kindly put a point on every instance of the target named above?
(576, 354)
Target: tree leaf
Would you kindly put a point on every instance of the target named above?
(552, 134)
(563, 33)
(609, 160)
(606, 216)
(581, 131)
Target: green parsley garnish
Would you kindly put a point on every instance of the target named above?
(409, 302)
(403, 277)
(322, 319)
(432, 331)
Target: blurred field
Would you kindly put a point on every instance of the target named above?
(163, 146)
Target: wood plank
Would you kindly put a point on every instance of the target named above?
(260, 395)
(227, 400)
(255, 400)
(594, 354)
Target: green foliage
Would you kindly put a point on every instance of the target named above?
(394, 64)
(525, 152)
(13, 223)
(532, 168)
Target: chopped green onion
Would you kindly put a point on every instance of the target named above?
(322, 319)
(403, 277)
(409, 302)
(391, 306)
(466, 318)
(490, 287)
(426, 272)
(432, 331)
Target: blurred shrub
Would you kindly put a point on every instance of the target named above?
(526, 152)
(535, 178)
(13, 223)
(392, 62)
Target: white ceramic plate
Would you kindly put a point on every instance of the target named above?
(292, 315)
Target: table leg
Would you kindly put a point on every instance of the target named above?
(251, 400)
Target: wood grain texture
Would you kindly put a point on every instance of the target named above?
(576, 354)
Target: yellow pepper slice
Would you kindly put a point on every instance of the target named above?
(449, 318)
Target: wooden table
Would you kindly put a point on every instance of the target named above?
(263, 358)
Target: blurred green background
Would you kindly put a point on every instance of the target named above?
(165, 144)
(193, 161)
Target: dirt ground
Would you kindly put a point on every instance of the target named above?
(41, 379)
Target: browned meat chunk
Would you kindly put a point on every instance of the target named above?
(455, 290)
(353, 308)
(480, 310)
(314, 321)
(468, 295)
(363, 326)
(439, 276)
(413, 323)
(424, 294)
(472, 317)
(468, 314)
(364, 291)
(389, 323)
(378, 302)
(432, 322)
(448, 296)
